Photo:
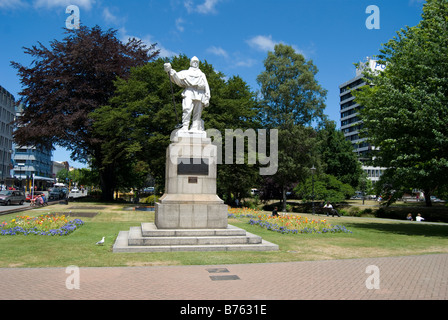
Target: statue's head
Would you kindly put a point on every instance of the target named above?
(194, 62)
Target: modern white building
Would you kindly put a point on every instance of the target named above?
(351, 124)
(7, 112)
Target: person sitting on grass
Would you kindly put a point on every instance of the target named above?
(419, 217)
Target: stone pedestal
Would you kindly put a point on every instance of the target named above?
(190, 200)
(190, 216)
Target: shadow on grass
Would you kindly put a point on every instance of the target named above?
(408, 229)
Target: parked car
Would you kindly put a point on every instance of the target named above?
(147, 190)
(57, 193)
(8, 197)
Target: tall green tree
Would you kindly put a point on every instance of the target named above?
(292, 101)
(296, 155)
(291, 95)
(137, 122)
(406, 107)
(86, 177)
(65, 83)
(234, 108)
(63, 176)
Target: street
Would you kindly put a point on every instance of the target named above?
(26, 205)
(14, 208)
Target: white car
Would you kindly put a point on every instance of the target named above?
(435, 199)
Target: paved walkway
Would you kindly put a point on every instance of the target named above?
(397, 278)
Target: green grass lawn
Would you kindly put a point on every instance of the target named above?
(370, 237)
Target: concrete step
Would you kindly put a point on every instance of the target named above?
(121, 246)
(151, 230)
(137, 239)
(134, 241)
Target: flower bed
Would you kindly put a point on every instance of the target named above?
(43, 225)
(287, 224)
(243, 213)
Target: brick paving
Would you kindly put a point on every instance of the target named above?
(422, 277)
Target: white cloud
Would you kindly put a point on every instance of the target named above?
(246, 63)
(179, 25)
(188, 4)
(85, 4)
(218, 51)
(11, 4)
(234, 59)
(164, 52)
(148, 40)
(111, 18)
(262, 43)
(208, 6)
(266, 43)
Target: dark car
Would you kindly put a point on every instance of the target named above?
(8, 197)
(57, 194)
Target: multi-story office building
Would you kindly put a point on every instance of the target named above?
(7, 103)
(351, 124)
(32, 164)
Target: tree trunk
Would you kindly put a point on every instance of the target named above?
(107, 183)
(427, 194)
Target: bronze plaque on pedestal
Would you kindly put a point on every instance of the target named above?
(192, 166)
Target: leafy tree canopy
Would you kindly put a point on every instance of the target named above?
(66, 82)
(290, 92)
(326, 188)
(292, 100)
(337, 155)
(406, 107)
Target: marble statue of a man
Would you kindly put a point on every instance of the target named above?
(196, 95)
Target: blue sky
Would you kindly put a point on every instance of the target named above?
(233, 35)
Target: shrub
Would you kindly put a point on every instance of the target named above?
(354, 212)
(151, 199)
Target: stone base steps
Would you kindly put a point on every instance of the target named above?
(148, 238)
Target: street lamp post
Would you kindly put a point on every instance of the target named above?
(3, 164)
(313, 169)
(21, 165)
